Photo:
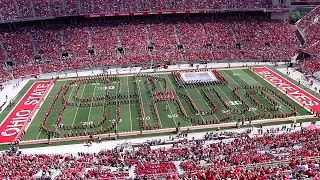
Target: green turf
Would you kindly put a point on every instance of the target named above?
(130, 118)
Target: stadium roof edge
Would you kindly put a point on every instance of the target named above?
(145, 13)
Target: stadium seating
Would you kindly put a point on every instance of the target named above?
(282, 155)
(310, 27)
(309, 65)
(61, 47)
(42, 9)
(309, 18)
(313, 49)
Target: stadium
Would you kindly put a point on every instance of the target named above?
(160, 89)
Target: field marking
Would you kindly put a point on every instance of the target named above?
(264, 97)
(229, 98)
(205, 103)
(138, 84)
(44, 99)
(129, 101)
(168, 79)
(254, 81)
(169, 106)
(68, 100)
(94, 91)
(190, 98)
(308, 108)
(75, 115)
(167, 130)
(159, 116)
(237, 85)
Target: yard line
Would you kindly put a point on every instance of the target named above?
(229, 98)
(260, 85)
(57, 126)
(139, 92)
(169, 107)
(154, 103)
(217, 108)
(117, 104)
(94, 91)
(75, 115)
(129, 101)
(193, 100)
(235, 83)
(104, 102)
(206, 104)
(174, 91)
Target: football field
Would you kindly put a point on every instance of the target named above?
(105, 104)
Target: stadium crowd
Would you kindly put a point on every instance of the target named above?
(285, 155)
(42, 9)
(310, 28)
(73, 47)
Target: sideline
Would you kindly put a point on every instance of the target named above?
(159, 131)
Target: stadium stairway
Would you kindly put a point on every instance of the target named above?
(5, 53)
(33, 43)
(176, 34)
(180, 171)
(131, 171)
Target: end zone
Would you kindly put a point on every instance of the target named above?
(20, 115)
(299, 95)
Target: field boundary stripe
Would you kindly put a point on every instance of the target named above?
(94, 91)
(39, 106)
(75, 115)
(156, 73)
(295, 86)
(129, 101)
(168, 78)
(15, 106)
(168, 130)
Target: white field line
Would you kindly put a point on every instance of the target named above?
(104, 102)
(155, 105)
(138, 84)
(129, 101)
(229, 98)
(94, 91)
(169, 108)
(159, 117)
(207, 106)
(256, 82)
(37, 110)
(280, 89)
(16, 104)
(75, 115)
(235, 83)
(192, 100)
(162, 72)
(205, 103)
(168, 79)
(45, 111)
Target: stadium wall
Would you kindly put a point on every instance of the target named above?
(281, 3)
(280, 15)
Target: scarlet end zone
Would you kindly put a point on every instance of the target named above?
(20, 117)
